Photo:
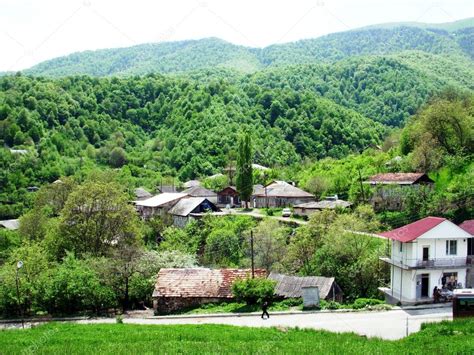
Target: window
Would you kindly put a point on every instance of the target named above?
(451, 247)
(401, 247)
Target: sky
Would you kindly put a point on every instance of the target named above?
(34, 31)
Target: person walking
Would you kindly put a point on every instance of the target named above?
(265, 310)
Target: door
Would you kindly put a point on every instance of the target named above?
(425, 285)
(418, 286)
(426, 253)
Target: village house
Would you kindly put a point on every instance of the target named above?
(177, 289)
(199, 191)
(331, 203)
(468, 226)
(280, 194)
(190, 208)
(228, 196)
(390, 189)
(427, 253)
(158, 205)
(292, 286)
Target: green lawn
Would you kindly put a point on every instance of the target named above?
(440, 338)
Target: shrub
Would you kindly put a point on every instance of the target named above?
(330, 305)
(253, 291)
(364, 302)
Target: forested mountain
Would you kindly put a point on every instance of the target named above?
(157, 126)
(455, 40)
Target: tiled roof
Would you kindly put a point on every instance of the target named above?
(200, 282)
(468, 226)
(397, 178)
(282, 189)
(413, 230)
(161, 199)
(291, 286)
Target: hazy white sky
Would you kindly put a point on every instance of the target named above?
(33, 31)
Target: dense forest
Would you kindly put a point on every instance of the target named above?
(454, 40)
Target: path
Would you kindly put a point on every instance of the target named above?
(386, 324)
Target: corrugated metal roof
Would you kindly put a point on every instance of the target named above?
(397, 178)
(413, 230)
(291, 286)
(187, 205)
(199, 191)
(325, 204)
(161, 199)
(191, 183)
(282, 189)
(10, 224)
(200, 282)
(141, 193)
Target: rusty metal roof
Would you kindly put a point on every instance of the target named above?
(291, 286)
(200, 282)
(398, 178)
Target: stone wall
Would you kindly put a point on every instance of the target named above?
(166, 305)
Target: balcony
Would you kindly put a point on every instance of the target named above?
(437, 263)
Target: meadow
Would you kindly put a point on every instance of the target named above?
(440, 338)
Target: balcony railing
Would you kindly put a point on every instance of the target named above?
(430, 263)
(454, 261)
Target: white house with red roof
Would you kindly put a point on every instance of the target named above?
(428, 253)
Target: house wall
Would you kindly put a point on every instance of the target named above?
(166, 305)
(300, 211)
(180, 221)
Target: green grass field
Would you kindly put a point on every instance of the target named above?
(54, 338)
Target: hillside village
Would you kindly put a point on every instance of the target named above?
(224, 198)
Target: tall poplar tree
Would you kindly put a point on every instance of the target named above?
(244, 168)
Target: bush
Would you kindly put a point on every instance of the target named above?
(364, 302)
(253, 291)
(330, 305)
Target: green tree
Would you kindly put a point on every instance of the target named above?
(96, 218)
(244, 168)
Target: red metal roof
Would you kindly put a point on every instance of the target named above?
(413, 230)
(468, 226)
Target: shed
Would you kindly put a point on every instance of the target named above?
(190, 287)
(190, 208)
(280, 194)
(10, 224)
(292, 286)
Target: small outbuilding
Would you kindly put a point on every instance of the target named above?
(292, 286)
(190, 208)
(177, 289)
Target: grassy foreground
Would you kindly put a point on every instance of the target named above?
(439, 338)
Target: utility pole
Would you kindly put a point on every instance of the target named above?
(251, 251)
(19, 265)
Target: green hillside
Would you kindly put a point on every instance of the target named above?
(184, 56)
